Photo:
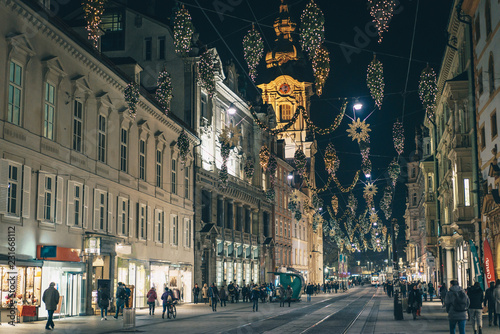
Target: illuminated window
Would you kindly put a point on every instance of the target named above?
(285, 112)
(15, 93)
(467, 192)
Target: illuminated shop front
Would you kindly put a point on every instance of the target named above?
(135, 274)
(28, 286)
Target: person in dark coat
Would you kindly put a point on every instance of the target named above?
(120, 298)
(196, 293)
(103, 302)
(442, 293)
(254, 296)
(310, 291)
(430, 288)
(51, 299)
(415, 301)
(213, 294)
(281, 292)
(489, 301)
(455, 297)
(288, 295)
(475, 294)
(167, 297)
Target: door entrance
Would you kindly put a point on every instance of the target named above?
(72, 292)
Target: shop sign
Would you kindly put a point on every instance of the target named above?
(489, 267)
(123, 249)
(93, 245)
(55, 253)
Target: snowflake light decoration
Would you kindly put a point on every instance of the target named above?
(370, 189)
(230, 136)
(358, 130)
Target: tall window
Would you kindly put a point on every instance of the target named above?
(186, 182)
(141, 217)
(159, 164)
(203, 106)
(148, 50)
(123, 150)
(123, 215)
(480, 87)
(77, 125)
(187, 233)
(430, 186)
(159, 225)
(15, 93)
(483, 137)
(477, 27)
(101, 207)
(49, 198)
(13, 189)
(75, 203)
(487, 17)
(161, 47)
(142, 160)
(113, 22)
(285, 112)
(174, 230)
(467, 192)
(174, 176)
(49, 110)
(491, 74)
(101, 139)
(494, 128)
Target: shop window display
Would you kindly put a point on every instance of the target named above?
(28, 286)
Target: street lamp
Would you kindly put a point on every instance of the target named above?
(357, 105)
(231, 110)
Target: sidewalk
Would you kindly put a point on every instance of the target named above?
(379, 315)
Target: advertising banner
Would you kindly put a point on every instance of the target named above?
(489, 267)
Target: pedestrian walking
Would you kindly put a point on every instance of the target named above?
(231, 290)
(424, 290)
(430, 288)
(120, 298)
(281, 295)
(103, 302)
(204, 293)
(51, 299)
(310, 291)
(496, 295)
(127, 295)
(244, 292)
(254, 296)
(196, 293)
(223, 296)
(442, 293)
(152, 297)
(489, 300)
(415, 301)
(167, 298)
(476, 296)
(456, 303)
(213, 294)
(288, 295)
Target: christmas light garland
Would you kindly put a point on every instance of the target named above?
(331, 128)
(131, 94)
(300, 161)
(253, 50)
(353, 184)
(394, 169)
(375, 81)
(183, 146)
(206, 72)
(321, 68)
(264, 155)
(381, 12)
(427, 90)
(164, 90)
(249, 168)
(183, 31)
(332, 161)
(386, 202)
(398, 137)
(312, 28)
(92, 11)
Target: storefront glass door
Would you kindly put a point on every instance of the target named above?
(73, 293)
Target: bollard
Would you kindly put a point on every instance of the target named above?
(128, 317)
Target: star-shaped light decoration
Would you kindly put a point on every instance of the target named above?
(358, 130)
(370, 189)
(373, 217)
(230, 135)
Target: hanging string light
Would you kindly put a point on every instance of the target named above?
(312, 127)
(253, 50)
(386, 202)
(375, 81)
(321, 68)
(206, 72)
(427, 90)
(332, 162)
(92, 11)
(300, 162)
(312, 28)
(164, 90)
(394, 170)
(183, 32)
(398, 137)
(249, 168)
(131, 94)
(264, 155)
(183, 146)
(381, 12)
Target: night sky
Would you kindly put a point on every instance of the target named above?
(347, 23)
(223, 23)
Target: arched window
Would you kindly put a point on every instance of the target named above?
(285, 112)
(491, 74)
(487, 17)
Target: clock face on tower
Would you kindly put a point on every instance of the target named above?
(285, 89)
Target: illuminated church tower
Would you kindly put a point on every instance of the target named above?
(287, 88)
(288, 85)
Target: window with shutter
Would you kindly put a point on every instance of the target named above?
(110, 222)
(60, 199)
(86, 199)
(26, 191)
(46, 197)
